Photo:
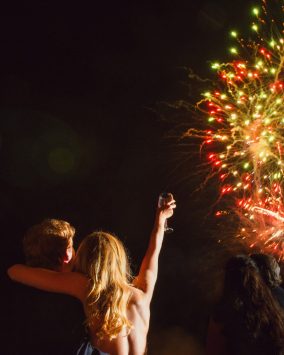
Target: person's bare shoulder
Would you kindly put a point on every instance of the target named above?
(139, 310)
(138, 298)
(78, 284)
(136, 292)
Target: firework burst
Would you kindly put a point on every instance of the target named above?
(244, 135)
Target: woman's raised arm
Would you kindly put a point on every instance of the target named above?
(71, 283)
(148, 272)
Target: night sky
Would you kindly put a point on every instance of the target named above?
(86, 136)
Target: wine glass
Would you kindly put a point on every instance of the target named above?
(165, 197)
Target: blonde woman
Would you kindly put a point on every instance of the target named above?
(117, 310)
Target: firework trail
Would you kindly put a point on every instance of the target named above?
(243, 138)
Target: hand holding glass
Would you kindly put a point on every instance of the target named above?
(165, 197)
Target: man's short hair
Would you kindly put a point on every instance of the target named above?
(268, 268)
(45, 244)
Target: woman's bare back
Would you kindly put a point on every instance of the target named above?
(134, 343)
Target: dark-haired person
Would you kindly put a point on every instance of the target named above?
(40, 322)
(270, 272)
(248, 320)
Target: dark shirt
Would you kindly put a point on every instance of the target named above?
(42, 323)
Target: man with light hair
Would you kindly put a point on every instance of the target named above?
(49, 244)
(45, 323)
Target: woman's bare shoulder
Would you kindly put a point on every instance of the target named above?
(139, 309)
(75, 276)
(77, 284)
(137, 295)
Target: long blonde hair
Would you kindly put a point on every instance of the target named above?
(102, 258)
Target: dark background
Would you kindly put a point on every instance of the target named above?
(86, 136)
